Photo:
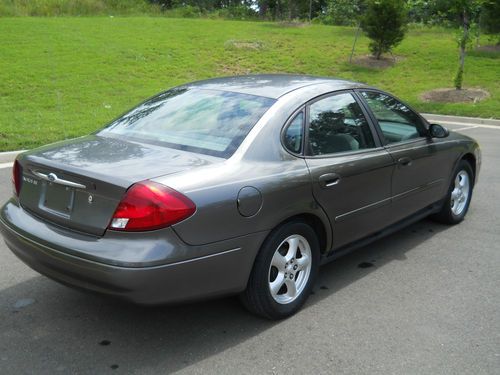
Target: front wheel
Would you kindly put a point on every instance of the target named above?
(459, 195)
(284, 272)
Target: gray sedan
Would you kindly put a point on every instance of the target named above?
(239, 185)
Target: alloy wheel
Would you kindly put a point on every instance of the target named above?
(290, 269)
(460, 193)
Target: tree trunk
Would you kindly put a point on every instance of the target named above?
(263, 9)
(378, 53)
(463, 45)
(355, 40)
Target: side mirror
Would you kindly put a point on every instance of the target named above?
(438, 131)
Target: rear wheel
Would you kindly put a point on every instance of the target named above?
(284, 272)
(459, 195)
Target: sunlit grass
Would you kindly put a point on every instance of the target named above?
(65, 77)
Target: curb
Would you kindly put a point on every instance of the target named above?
(9, 156)
(461, 120)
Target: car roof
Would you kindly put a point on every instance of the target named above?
(270, 85)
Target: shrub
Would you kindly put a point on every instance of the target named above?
(385, 23)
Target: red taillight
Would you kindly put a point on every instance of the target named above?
(16, 177)
(148, 205)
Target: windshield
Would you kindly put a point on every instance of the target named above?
(204, 121)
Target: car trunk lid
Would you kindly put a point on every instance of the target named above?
(79, 183)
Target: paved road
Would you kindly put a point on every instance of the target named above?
(430, 304)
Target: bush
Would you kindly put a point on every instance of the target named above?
(385, 23)
(237, 12)
(490, 18)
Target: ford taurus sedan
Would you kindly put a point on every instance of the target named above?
(239, 185)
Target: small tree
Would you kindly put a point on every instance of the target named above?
(384, 22)
(465, 15)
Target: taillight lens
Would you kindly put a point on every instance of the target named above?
(16, 177)
(148, 205)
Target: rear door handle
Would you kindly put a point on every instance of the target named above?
(329, 179)
(405, 161)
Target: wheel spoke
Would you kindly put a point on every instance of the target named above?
(463, 180)
(276, 285)
(291, 287)
(303, 262)
(278, 261)
(292, 250)
(460, 193)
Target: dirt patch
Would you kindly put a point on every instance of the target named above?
(368, 61)
(232, 70)
(468, 95)
(244, 44)
(489, 48)
(293, 24)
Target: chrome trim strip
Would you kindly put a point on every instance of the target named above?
(386, 201)
(52, 177)
(381, 203)
(417, 190)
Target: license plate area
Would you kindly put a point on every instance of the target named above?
(58, 199)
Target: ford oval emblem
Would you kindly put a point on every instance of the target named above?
(52, 177)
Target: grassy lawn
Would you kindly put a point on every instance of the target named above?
(65, 77)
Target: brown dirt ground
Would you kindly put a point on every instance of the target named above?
(368, 61)
(447, 95)
(244, 44)
(489, 48)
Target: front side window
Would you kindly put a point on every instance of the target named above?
(337, 124)
(397, 122)
(209, 122)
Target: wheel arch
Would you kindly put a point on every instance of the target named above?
(321, 228)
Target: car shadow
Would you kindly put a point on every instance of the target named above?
(70, 331)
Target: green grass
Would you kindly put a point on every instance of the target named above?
(65, 77)
(56, 8)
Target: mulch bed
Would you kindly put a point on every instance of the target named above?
(368, 61)
(489, 48)
(447, 95)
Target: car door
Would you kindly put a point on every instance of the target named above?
(350, 171)
(419, 176)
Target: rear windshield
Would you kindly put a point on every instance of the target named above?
(210, 122)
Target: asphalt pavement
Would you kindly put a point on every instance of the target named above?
(425, 300)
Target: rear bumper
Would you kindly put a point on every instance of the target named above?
(223, 270)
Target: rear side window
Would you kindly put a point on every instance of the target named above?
(293, 134)
(397, 122)
(337, 124)
(210, 122)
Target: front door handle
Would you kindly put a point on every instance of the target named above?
(329, 179)
(405, 161)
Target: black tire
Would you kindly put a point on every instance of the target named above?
(257, 297)
(447, 215)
